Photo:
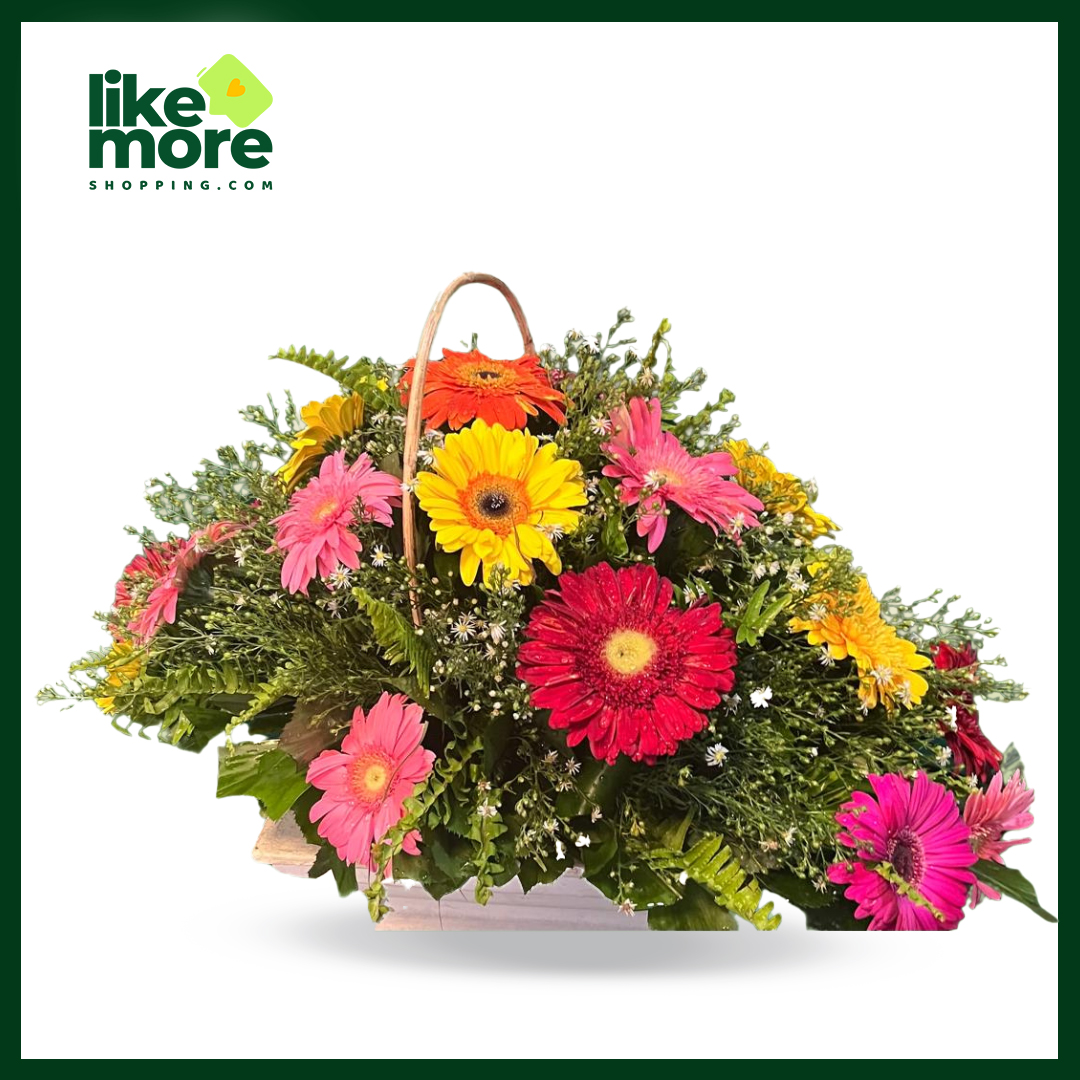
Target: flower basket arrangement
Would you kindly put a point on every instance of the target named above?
(476, 620)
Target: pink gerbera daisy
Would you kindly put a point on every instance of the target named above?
(316, 529)
(144, 572)
(367, 781)
(912, 854)
(992, 813)
(171, 566)
(655, 470)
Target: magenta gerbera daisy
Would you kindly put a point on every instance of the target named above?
(912, 854)
(367, 781)
(316, 530)
(654, 469)
(618, 665)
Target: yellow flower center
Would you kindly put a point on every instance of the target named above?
(497, 503)
(629, 652)
(327, 510)
(370, 775)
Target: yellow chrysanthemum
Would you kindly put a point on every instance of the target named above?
(852, 626)
(500, 498)
(123, 666)
(335, 417)
(781, 492)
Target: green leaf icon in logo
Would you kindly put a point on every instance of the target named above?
(234, 92)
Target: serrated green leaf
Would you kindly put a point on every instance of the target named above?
(261, 770)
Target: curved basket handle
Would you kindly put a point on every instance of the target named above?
(414, 423)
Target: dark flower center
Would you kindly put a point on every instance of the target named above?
(494, 504)
(903, 859)
(485, 375)
(905, 852)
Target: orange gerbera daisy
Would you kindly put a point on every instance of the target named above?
(467, 386)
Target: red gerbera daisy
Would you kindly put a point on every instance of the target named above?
(463, 387)
(616, 664)
(971, 750)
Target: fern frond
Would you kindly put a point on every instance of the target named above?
(373, 380)
(712, 866)
(397, 638)
(194, 680)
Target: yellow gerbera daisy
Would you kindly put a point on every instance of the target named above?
(123, 666)
(852, 626)
(500, 498)
(333, 418)
(781, 492)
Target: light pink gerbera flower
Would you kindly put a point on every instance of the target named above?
(911, 831)
(315, 530)
(366, 783)
(655, 470)
(992, 813)
(176, 560)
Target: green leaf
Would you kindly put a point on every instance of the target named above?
(427, 868)
(671, 833)
(496, 736)
(1012, 883)
(1010, 763)
(596, 785)
(839, 915)
(262, 770)
(798, 890)
(531, 873)
(601, 851)
(697, 910)
(344, 875)
(398, 639)
(613, 537)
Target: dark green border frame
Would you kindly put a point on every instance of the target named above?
(490, 10)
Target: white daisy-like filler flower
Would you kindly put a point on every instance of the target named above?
(600, 425)
(497, 631)
(596, 814)
(584, 840)
(339, 578)
(560, 850)
(488, 810)
(627, 907)
(950, 717)
(464, 627)
(761, 697)
(943, 756)
(716, 754)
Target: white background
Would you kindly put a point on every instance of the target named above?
(853, 227)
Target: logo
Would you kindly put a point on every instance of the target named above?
(172, 133)
(234, 92)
